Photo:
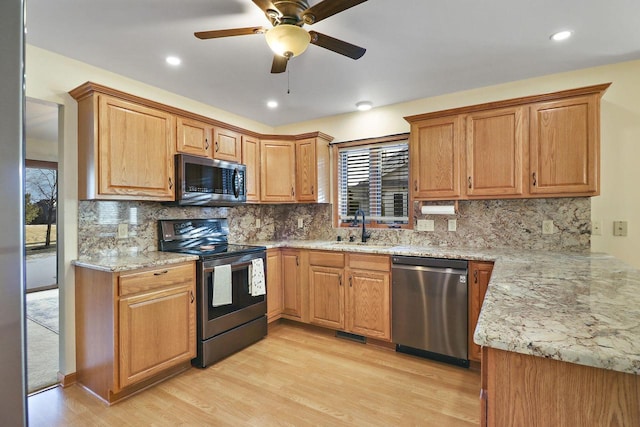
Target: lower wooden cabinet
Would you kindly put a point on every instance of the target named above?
(274, 284)
(350, 293)
(134, 328)
(479, 276)
(292, 283)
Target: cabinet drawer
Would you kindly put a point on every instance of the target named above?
(141, 281)
(369, 262)
(326, 259)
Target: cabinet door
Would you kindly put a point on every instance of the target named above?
(435, 158)
(274, 284)
(277, 171)
(156, 331)
(564, 152)
(251, 158)
(306, 168)
(495, 151)
(326, 300)
(292, 283)
(193, 137)
(227, 145)
(479, 276)
(368, 304)
(135, 151)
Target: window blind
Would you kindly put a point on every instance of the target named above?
(374, 178)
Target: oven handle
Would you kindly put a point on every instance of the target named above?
(236, 190)
(234, 266)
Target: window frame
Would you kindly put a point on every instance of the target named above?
(335, 148)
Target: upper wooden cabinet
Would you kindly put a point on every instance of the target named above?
(434, 145)
(565, 146)
(538, 146)
(125, 150)
(495, 144)
(277, 171)
(312, 169)
(193, 137)
(251, 158)
(227, 145)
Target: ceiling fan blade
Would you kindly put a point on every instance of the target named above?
(214, 34)
(279, 64)
(327, 8)
(338, 46)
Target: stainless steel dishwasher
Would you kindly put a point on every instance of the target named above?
(429, 308)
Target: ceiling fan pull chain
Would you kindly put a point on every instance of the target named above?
(288, 86)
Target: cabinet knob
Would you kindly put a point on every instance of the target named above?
(340, 279)
(170, 184)
(535, 181)
(475, 276)
(191, 295)
(292, 193)
(469, 182)
(312, 189)
(297, 260)
(160, 273)
(217, 146)
(415, 185)
(351, 281)
(206, 144)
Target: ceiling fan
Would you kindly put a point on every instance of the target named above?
(287, 38)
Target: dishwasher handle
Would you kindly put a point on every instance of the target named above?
(458, 264)
(443, 270)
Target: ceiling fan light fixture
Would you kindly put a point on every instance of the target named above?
(288, 40)
(364, 105)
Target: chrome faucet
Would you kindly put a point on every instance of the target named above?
(365, 235)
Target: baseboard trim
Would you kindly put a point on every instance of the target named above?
(67, 380)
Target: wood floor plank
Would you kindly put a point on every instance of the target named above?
(293, 377)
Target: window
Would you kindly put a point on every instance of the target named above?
(373, 175)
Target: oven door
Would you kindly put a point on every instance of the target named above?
(243, 308)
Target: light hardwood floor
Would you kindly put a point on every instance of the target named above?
(293, 377)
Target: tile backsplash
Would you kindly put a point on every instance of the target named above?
(480, 224)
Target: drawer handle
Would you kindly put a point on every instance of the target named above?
(535, 181)
(160, 273)
(191, 295)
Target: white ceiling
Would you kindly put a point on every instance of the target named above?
(415, 48)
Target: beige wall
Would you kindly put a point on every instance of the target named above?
(620, 139)
(51, 76)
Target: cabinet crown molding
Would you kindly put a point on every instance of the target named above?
(552, 96)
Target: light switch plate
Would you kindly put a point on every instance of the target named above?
(452, 225)
(620, 228)
(425, 225)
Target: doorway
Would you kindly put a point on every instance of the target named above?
(41, 248)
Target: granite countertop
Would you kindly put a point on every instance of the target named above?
(577, 308)
(133, 261)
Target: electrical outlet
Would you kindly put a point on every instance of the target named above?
(452, 225)
(300, 223)
(258, 223)
(123, 231)
(547, 226)
(620, 228)
(596, 227)
(425, 225)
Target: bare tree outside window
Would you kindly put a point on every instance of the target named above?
(42, 188)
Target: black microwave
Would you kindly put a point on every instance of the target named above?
(208, 182)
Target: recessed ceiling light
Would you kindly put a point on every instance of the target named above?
(173, 60)
(272, 104)
(364, 105)
(561, 35)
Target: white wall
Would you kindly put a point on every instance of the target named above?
(620, 138)
(50, 76)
